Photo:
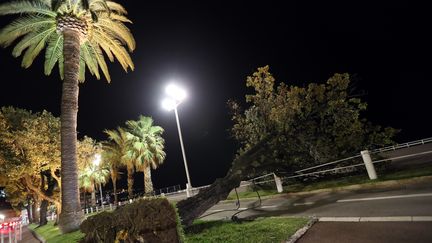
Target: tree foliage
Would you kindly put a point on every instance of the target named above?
(313, 124)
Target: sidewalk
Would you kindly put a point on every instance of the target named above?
(28, 237)
(368, 232)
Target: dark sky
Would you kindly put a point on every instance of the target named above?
(210, 48)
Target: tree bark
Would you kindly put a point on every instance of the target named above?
(130, 180)
(71, 215)
(29, 211)
(247, 164)
(93, 197)
(43, 213)
(114, 182)
(148, 184)
(35, 209)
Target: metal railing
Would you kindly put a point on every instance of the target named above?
(400, 146)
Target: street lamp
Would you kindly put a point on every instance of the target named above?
(176, 96)
(96, 163)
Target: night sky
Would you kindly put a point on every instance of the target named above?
(210, 48)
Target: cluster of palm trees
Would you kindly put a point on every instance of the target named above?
(139, 147)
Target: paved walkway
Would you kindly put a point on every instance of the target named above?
(28, 237)
(368, 232)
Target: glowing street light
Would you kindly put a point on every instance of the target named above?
(96, 163)
(175, 96)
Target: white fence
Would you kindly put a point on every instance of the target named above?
(310, 171)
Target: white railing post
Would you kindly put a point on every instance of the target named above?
(20, 235)
(188, 193)
(369, 165)
(278, 182)
(91, 209)
(10, 234)
(15, 234)
(110, 206)
(2, 237)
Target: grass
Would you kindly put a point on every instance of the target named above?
(52, 234)
(339, 182)
(260, 230)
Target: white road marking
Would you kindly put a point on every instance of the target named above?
(387, 197)
(273, 206)
(377, 219)
(303, 204)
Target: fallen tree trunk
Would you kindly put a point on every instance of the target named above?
(248, 164)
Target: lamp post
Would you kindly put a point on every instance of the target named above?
(96, 163)
(176, 96)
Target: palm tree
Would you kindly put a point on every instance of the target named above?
(112, 154)
(119, 149)
(75, 33)
(147, 147)
(91, 176)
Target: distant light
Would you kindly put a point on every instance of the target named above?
(97, 160)
(175, 92)
(2, 217)
(169, 104)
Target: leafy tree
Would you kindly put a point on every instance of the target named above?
(289, 127)
(75, 33)
(315, 124)
(147, 146)
(30, 157)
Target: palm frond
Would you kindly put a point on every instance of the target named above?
(113, 6)
(82, 67)
(117, 30)
(89, 58)
(61, 66)
(53, 53)
(26, 7)
(115, 47)
(35, 49)
(100, 59)
(31, 39)
(22, 26)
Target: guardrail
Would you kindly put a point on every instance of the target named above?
(403, 145)
(296, 174)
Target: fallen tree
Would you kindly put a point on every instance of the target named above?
(248, 164)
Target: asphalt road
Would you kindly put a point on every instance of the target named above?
(403, 202)
(382, 232)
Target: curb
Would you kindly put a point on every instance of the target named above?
(377, 219)
(300, 232)
(36, 235)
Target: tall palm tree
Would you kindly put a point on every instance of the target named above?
(75, 33)
(147, 147)
(120, 150)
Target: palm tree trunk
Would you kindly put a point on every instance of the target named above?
(148, 184)
(71, 215)
(93, 197)
(114, 182)
(130, 180)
